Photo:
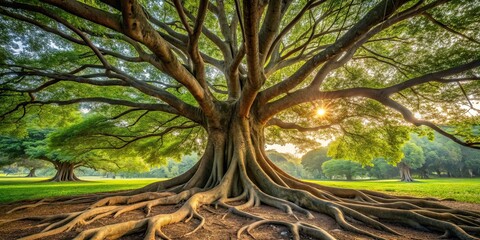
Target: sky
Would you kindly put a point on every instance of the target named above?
(288, 148)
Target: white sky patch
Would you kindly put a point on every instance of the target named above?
(20, 47)
(84, 110)
(288, 148)
(53, 45)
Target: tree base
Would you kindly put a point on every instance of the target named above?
(179, 215)
(216, 226)
(31, 173)
(65, 173)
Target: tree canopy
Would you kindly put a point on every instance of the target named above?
(128, 80)
(36, 147)
(28, 152)
(159, 78)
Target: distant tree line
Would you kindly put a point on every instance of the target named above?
(422, 158)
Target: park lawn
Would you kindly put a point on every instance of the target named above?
(20, 188)
(460, 189)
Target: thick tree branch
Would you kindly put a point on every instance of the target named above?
(90, 13)
(199, 70)
(286, 125)
(275, 12)
(375, 16)
(436, 76)
(255, 77)
(312, 94)
(309, 5)
(183, 17)
(136, 26)
(144, 106)
(449, 29)
(133, 139)
(142, 86)
(208, 33)
(409, 117)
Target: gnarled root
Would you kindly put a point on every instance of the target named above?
(295, 229)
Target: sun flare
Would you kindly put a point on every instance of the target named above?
(321, 111)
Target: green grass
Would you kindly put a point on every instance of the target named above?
(460, 189)
(19, 188)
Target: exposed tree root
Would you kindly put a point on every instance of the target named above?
(240, 180)
(295, 229)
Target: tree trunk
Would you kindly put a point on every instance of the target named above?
(32, 173)
(64, 172)
(349, 177)
(405, 175)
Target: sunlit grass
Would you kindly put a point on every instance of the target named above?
(460, 189)
(20, 188)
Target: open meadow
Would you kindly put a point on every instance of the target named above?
(20, 188)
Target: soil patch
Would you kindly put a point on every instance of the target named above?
(219, 224)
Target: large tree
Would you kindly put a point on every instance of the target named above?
(471, 159)
(33, 151)
(413, 158)
(230, 76)
(440, 155)
(313, 160)
(23, 152)
(13, 152)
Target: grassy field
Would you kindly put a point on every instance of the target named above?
(460, 189)
(18, 188)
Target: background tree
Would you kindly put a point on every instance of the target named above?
(381, 169)
(413, 158)
(288, 163)
(14, 151)
(10, 169)
(313, 160)
(33, 151)
(171, 169)
(471, 159)
(442, 155)
(229, 77)
(342, 168)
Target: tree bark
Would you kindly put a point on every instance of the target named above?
(64, 172)
(405, 175)
(32, 173)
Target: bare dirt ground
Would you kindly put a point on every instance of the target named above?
(218, 226)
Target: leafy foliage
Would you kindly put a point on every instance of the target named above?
(342, 168)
